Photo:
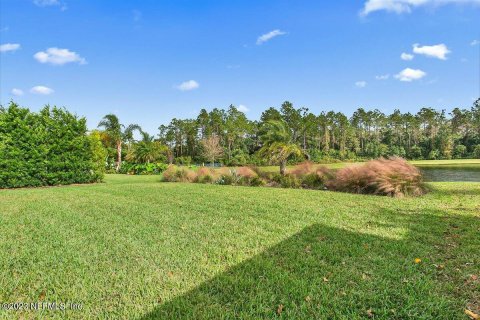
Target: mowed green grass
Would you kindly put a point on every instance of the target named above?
(135, 248)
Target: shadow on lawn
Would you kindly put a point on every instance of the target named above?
(324, 273)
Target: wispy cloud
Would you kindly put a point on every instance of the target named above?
(58, 56)
(188, 85)
(42, 90)
(382, 77)
(409, 75)
(269, 36)
(9, 47)
(46, 3)
(406, 6)
(17, 92)
(475, 43)
(361, 84)
(406, 56)
(243, 108)
(438, 51)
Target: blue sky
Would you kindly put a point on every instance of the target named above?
(149, 61)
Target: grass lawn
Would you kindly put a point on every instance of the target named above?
(139, 249)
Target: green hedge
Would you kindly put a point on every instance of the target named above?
(50, 147)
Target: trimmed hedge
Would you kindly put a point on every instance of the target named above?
(50, 147)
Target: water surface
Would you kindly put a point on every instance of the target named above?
(451, 173)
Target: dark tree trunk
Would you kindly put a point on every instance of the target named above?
(283, 167)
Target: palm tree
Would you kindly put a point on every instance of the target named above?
(278, 144)
(147, 150)
(114, 130)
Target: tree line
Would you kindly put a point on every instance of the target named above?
(230, 138)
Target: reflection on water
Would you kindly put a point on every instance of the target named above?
(451, 173)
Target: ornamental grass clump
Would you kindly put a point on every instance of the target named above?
(311, 176)
(245, 176)
(178, 174)
(246, 172)
(205, 175)
(391, 177)
(303, 168)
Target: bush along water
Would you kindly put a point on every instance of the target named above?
(389, 177)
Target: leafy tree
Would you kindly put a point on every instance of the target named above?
(147, 150)
(278, 145)
(212, 148)
(115, 130)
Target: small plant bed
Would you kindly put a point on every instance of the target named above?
(389, 177)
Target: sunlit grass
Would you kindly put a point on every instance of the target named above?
(134, 247)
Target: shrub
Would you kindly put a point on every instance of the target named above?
(285, 181)
(256, 182)
(459, 151)
(433, 155)
(310, 176)
(246, 172)
(178, 174)
(315, 180)
(392, 177)
(225, 180)
(416, 153)
(476, 151)
(143, 168)
(205, 175)
(50, 147)
(303, 168)
(186, 161)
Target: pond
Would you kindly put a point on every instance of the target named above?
(451, 173)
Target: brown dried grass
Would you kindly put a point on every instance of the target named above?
(178, 174)
(303, 168)
(246, 172)
(391, 177)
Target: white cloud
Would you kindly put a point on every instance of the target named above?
(46, 3)
(42, 90)
(270, 35)
(188, 85)
(243, 108)
(17, 92)
(438, 51)
(9, 47)
(406, 6)
(475, 43)
(382, 77)
(408, 75)
(361, 84)
(406, 56)
(58, 56)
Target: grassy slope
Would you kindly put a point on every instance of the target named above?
(136, 248)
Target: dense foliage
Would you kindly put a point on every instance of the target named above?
(50, 147)
(329, 136)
